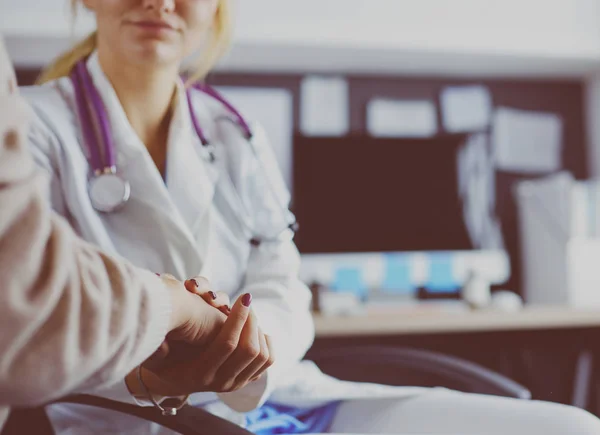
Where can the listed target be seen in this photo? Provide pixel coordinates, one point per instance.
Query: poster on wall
(324, 106)
(273, 109)
(466, 108)
(401, 118)
(527, 142)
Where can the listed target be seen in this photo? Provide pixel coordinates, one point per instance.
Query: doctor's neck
(146, 94)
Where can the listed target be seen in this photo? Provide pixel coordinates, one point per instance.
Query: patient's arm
(70, 316)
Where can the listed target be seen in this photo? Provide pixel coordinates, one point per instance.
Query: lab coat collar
(125, 138)
(190, 176)
(190, 179)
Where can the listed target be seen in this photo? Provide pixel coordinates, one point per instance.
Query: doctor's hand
(220, 300)
(201, 287)
(192, 321)
(233, 359)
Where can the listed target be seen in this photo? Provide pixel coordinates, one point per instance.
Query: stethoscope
(109, 191)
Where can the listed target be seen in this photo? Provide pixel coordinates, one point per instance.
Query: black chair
(393, 366)
(413, 367)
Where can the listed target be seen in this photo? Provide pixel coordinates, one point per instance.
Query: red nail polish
(212, 295)
(195, 282)
(247, 299)
(157, 274)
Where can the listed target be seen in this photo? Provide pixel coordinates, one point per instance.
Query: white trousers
(444, 412)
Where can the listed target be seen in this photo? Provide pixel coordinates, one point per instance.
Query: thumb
(227, 341)
(232, 329)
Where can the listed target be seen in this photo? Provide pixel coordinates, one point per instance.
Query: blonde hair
(218, 42)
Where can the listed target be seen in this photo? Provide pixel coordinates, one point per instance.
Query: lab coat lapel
(148, 189)
(191, 177)
(133, 159)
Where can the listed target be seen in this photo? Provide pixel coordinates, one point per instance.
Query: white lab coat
(189, 226)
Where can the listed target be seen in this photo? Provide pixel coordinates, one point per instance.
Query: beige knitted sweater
(71, 317)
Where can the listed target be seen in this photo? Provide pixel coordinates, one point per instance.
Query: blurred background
(438, 152)
(449, 105)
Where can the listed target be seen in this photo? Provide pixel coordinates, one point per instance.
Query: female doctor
(145, 165)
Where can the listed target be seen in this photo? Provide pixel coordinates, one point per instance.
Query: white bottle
(476, 292)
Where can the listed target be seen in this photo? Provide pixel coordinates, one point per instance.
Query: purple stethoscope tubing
(85, 92)
(99, 140)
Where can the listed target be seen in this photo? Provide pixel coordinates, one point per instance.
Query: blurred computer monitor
(365, 194)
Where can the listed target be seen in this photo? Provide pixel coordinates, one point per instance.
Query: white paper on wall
(527, 142)
(466, 108)
(273, 109)
(324, 106)
(477, 188)
(401, 118)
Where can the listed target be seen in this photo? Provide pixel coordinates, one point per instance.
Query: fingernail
(212, 295)
(157, 274)
(196, 283)
(247, 299)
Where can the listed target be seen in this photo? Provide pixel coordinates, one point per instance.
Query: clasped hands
(211, 346)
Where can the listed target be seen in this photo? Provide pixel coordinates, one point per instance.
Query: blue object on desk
(349, 279)
(273, 419)
(441, 274)
(397, 275)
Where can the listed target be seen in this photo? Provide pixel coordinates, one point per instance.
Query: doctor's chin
(223, 217)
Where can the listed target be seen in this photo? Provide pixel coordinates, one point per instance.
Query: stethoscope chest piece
(108, 192)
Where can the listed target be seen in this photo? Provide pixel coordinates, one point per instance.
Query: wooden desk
(437, 321)
(488, 337)
(432, 321)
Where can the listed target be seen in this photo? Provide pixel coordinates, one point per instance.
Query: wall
(440, 37)
(435, 38)
(569, 28)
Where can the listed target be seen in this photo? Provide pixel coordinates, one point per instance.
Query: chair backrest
(414, 367)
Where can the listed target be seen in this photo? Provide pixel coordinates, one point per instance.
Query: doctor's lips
(153, 25)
